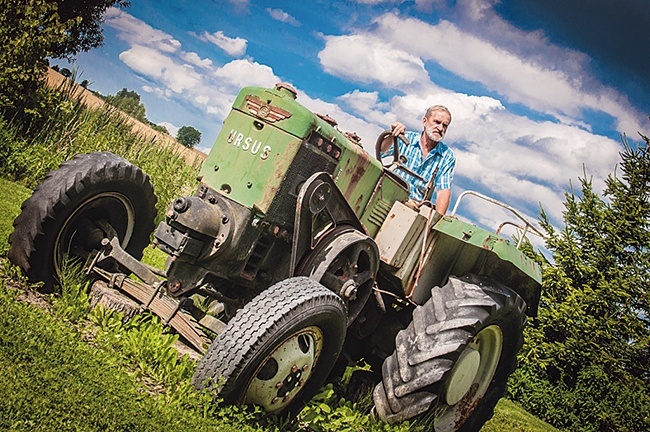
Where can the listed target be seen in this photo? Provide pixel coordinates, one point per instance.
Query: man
(426, 155)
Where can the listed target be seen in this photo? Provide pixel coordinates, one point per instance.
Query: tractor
(300, 254)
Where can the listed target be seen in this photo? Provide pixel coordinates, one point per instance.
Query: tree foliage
(83, 20)
(188, 136)
(128, 101)
(33, 31)
(27, 30)
(585, 366)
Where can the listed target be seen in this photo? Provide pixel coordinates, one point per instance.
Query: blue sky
(538, 89)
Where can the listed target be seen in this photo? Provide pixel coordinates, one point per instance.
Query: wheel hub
(284, 371)
(463, 375)
(470, 378)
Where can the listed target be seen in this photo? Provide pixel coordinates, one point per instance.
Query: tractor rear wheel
(277, 351)
(451, 363)
(91, 197)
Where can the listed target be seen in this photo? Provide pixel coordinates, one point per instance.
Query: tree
(32, 31)
(83, 20)
(27, 30)
(585, 366)
(188, 136)
(128, 101)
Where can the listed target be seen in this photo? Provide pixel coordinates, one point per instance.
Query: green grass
(12, 196)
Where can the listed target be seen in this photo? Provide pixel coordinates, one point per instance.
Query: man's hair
(435, 108)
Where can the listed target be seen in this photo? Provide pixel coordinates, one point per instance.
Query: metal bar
(167, 308)
(498, 203)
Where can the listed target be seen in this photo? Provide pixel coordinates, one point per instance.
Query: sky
(540, 90)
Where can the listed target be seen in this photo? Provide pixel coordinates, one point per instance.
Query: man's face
(435, 126)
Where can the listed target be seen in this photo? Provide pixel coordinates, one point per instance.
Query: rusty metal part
(318, 193)
(169, 310)
(329, 120)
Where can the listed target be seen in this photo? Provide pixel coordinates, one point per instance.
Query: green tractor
(298, 255)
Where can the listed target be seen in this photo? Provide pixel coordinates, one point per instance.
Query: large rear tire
(88, 198)
(451, 363)
(279, 349)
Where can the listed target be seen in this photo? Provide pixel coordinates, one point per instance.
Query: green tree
(83, 20)
(585, 365)
(27, 30)
(188, 136)
(128, 101)
(33, 31)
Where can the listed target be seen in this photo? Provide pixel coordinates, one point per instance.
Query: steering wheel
(398, 163)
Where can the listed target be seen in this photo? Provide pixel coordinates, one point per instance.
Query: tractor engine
(240, 224)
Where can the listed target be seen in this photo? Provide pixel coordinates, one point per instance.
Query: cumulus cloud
(134, 30)
(232, 46)
(172, 73)
(282, 16)
(195, 60)
(366, 59)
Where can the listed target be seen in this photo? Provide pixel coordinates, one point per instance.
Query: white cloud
(161, 68)
(232, 46)
(282, 16)
(366, 59)
(532, 72)
(241, 73)
(193, 58)
(171, 128)
(136, 31)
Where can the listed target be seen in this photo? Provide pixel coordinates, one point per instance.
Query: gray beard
(431, 135)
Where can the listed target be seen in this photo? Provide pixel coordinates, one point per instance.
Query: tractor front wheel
(89, 198)
(278, 350)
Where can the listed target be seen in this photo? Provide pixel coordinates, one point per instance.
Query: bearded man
(427, 156)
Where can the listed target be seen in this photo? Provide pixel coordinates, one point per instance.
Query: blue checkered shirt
(441, 158)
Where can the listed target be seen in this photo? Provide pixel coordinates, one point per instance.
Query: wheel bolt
(275, 400)
(305, 368)
(279, 384)
(294, 369)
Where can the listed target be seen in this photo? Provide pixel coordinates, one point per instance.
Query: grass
(11, 197)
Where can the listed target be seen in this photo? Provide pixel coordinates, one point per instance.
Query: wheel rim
(91, 221)
(285, 371)
(470, 378)
(347, 266)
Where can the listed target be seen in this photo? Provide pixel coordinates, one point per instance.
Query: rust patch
(355, 173)
(466, 406)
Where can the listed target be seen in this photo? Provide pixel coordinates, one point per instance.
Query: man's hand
(397, 128)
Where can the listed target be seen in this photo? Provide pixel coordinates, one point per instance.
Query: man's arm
(443, 196)
(397, 128)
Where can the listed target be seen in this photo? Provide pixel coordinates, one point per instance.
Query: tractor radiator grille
(379, 212)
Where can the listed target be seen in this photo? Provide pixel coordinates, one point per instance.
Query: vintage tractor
(299, 254)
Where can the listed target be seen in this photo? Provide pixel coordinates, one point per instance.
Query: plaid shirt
(441, 158)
